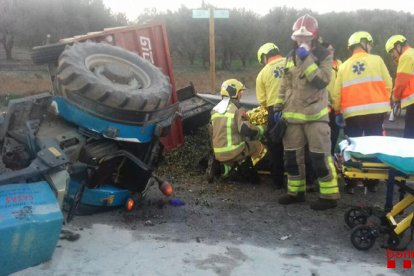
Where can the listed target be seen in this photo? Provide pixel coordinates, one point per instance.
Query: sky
(132, 8)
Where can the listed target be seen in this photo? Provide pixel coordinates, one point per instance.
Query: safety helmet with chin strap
(231, 88)
(305, 26)
(264, 50)
(358, 37)
(394, 41)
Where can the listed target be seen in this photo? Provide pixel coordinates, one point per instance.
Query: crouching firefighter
(234, 140)
(305, 108)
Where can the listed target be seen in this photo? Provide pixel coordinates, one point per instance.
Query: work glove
(277, 107)
(339, 120)
(303, 51)
(277, 116)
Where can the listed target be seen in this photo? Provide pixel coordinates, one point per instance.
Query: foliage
(26, 22)
(240, 36)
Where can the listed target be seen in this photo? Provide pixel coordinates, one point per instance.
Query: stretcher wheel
(393, 241)
(356, 216)
(363, 237)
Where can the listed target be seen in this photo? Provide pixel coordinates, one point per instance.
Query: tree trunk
(225, 61)
(8, 42)
(243, 60)
(205, 62)
(191, 57)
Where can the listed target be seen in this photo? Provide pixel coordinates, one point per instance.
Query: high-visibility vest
(303, 90)
(268, 81)
(363, 86)
(404, 81)
(227, 140)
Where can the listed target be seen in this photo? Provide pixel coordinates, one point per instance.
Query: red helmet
(305, 26)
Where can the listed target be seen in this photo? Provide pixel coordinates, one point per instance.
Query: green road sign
(201, 14)
(206, 13)
(221, 13)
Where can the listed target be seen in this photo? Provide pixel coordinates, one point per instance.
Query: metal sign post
(211, 14)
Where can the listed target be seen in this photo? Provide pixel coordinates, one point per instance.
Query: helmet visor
(302, 39)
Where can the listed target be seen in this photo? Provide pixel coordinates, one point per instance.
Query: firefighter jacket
(363, 86)
(268, 81)
(404, 81)
(229, 132)
(303, 89)
(331, 85)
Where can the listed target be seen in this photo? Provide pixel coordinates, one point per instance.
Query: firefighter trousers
(317, 136)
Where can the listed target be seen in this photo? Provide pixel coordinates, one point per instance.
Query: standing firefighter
(305, 108)
(267, 89)
(362, 93)
(234, 139)
(403, 94)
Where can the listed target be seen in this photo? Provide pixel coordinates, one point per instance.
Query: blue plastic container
(30, 224)
(106, 195)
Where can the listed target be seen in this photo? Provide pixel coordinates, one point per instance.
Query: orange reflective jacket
(362, 86)
(404, 81)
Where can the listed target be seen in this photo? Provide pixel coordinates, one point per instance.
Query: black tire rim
(355, 216)
(117, 71)
(362, 237)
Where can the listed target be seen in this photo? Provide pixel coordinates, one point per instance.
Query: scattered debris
(286, 237)
(69, 235)
(176, 202)
(148, 223)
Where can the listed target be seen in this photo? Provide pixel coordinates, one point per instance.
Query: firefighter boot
(290, 199)
(213, 169)
(323, 204)
(249, 172)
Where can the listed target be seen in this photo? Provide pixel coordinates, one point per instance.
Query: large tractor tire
(47, 54)
(111, 82)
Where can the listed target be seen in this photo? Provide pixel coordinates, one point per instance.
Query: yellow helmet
(394, 40)
(231, 88)
(265, 49)
(356, 38)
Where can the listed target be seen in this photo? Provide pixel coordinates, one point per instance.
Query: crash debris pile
(190, 158)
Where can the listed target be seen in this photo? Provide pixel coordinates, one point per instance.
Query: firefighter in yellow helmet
(235, 140)
(305, 108)
(268, 83)
(403, 93)
(362, 93)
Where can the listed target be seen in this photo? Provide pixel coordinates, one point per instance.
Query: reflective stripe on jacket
(303, 89)
(404, 81)
(363, 85)
(268, 81)
(229, 131)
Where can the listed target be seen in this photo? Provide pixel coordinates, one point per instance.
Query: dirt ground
(224, 228)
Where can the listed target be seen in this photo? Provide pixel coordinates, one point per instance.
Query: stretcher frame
(368, 170)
